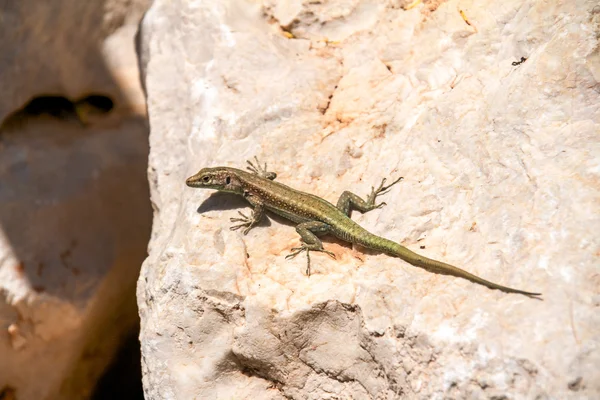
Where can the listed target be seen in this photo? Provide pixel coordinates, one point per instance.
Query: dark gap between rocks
(123, 377)
(62, 108)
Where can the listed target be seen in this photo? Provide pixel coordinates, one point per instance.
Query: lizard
(316, 217)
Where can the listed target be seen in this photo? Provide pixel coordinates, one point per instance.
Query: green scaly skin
(315, 216)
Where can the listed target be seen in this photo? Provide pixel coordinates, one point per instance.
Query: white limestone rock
(501, 169)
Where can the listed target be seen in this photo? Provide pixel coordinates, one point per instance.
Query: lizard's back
(298, 206)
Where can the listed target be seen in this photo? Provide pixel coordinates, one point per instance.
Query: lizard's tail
(397, 250)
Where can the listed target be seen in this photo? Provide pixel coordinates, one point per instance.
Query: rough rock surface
(500, 160)
(74, 210)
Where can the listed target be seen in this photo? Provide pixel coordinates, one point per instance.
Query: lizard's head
(220, 178)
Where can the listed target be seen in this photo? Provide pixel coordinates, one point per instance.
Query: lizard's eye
(228, 180)
(206, 178)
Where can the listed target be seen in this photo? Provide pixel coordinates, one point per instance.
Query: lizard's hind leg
(308, 232)
(349, 201)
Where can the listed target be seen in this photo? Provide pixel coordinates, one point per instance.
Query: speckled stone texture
(501, 167)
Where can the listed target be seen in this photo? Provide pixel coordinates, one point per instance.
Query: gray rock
(74, 210)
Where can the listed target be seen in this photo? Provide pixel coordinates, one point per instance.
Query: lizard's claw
(304, 247)
(295, 252)
(384, 189)
(330, 253)
(244, 217)
(260, 170)
(246, 222)
(254, 168)
(381, 190)
(308, 249)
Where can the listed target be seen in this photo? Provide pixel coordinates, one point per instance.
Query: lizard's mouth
(194, 181)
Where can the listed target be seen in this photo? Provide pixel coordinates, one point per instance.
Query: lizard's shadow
(219, 201)
(222, 201)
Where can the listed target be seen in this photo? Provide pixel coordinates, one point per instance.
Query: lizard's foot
(260, 170)
(246, 222)
(381, 190)
(308, 248)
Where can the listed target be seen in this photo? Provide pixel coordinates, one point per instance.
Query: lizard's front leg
(260, 170)
(251, 221)
(308, 232)
(349, 201)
